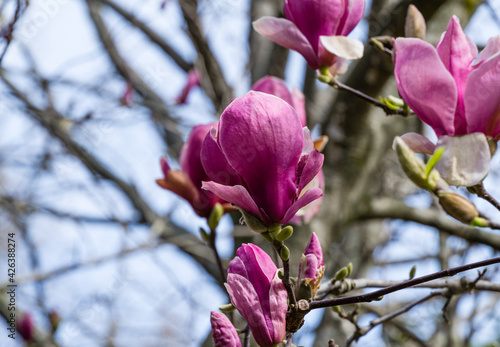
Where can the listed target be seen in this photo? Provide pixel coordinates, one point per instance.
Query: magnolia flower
(258, 294)
(193, 80)
(25, 327)
(312, 267)
(276, 86)
(317, 29)
(187, 183)
(456, 92)
(223, 332)
(260, 160)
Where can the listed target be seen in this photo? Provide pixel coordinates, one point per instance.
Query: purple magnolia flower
(276, 86)
(312, 267)
(193, 80)
(260, 160)
(187, 183)
(317, 29)
(223, 332)
(258, 294)
(457, 93)
(26, 327)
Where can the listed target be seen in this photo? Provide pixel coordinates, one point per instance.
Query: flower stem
(340, 86)
(482, 193)
(286, 275)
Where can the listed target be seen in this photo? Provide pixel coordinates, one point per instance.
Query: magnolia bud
(204, 235)
(285, 233)
(413, 271)
(215, 216)
(284, 253)
(415, 23)
(458, 207)
(341, 274)
(411, 164)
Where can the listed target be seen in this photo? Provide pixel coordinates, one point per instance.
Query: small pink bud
(223, 332)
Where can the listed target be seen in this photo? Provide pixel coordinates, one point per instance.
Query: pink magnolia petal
(215, 164)
(425, 84)
(245, 299)
(261, 137)
(313, 164)
(311, 266)
(299, 104)
(286, 34)
(237, 195)
(466, 160)
(223, 332)
(189, 157)
(491, 49)
(419, 143)
(482, 98)
(278, 307)
(315, 18)
(352, 16)
(274, 86)
(305, 199)
(457, 53)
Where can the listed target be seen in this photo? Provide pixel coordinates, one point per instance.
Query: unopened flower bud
(412, 165)
(341, 274)
(284, 253)
(215, 216)
(458, 207)
(349, 269)
(492, 144)
(413, 271)
(415, 23)
(285, 233)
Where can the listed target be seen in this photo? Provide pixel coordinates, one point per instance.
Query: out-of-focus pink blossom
(258, 294)
(193, 80)
(128, 95)
(187, 182)
(25, 327)
(276, 86)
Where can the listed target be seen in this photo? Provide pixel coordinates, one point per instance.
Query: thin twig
(402, 285)
(340, 86)
(289, 339)
(483, 194)
(246, 339)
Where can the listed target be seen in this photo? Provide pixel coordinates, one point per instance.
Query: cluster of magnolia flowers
(260, 157)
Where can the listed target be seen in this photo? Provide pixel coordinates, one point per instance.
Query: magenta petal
(165, 168)
(286, 34)
(216, 165)
(237, 195)
(315, 18)
(312, 265)
(308, 197)
(245, 299)
(299, 104)
(352, 16)
(274, 86)
(314, 247)
(491, 49)
(425, 84)
(482, 98)
(457, 53)
(419, 143)
(466, 160)
(278, 307)
(223, 332)
(259, 268)
(313, 164)
(190, 154)
(262, 139)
